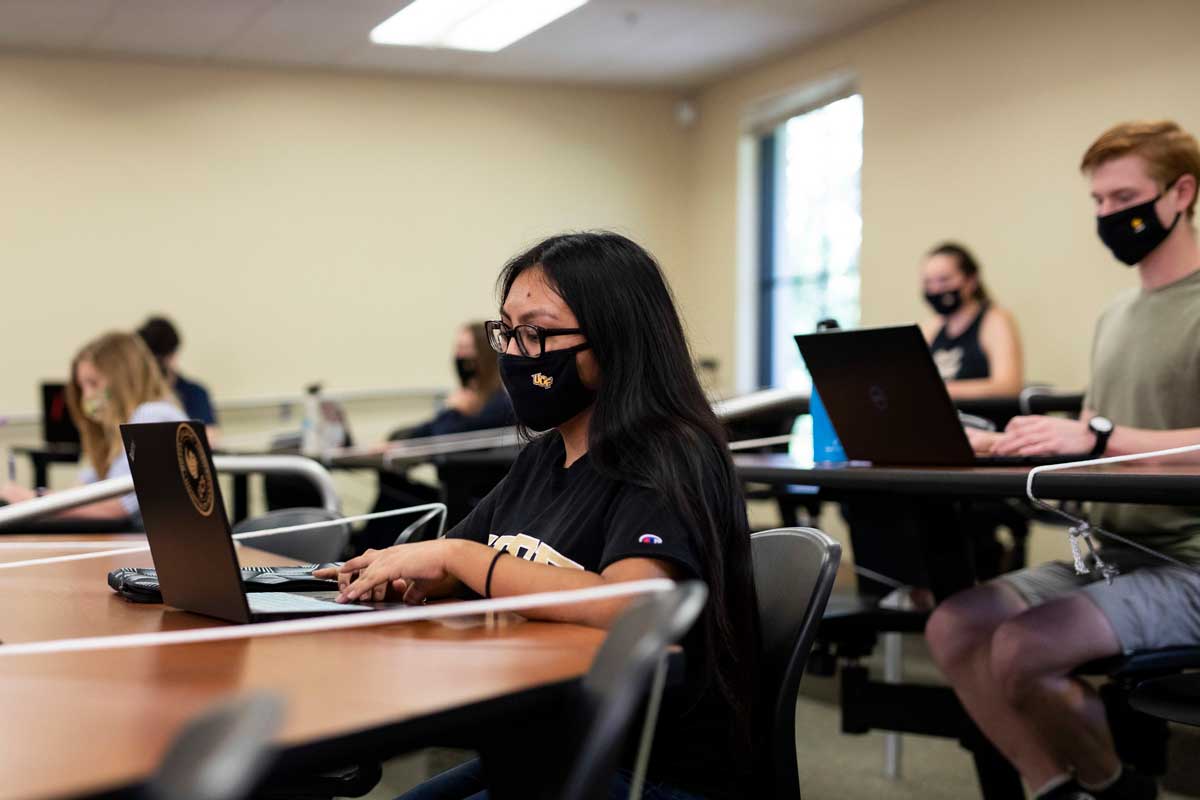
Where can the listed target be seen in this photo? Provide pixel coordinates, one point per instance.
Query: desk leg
(950, 558)
(41, 470)
(947, 551)
(241, 497)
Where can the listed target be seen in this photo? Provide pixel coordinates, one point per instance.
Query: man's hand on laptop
(982, 442)
(1044, 436)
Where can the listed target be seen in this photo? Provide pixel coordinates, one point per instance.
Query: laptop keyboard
(287, 603)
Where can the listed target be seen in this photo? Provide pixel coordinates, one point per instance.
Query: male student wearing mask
(1009, 646)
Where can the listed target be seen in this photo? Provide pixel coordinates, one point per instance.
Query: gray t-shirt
(157, 411)
(1146, 374)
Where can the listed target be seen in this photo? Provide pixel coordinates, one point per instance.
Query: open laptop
(189, 534)
(889, 404)
(57, 425)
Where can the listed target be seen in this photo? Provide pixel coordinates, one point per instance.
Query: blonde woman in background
(114, 380)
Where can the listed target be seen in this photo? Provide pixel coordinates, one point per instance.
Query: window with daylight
(810, 232)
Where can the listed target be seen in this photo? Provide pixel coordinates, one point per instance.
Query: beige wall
(299, 224)
(302, 224)
(976, 115)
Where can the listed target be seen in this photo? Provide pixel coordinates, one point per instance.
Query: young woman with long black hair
(634, 481)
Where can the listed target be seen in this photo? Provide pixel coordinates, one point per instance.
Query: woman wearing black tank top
(974, 342)
(978, 352)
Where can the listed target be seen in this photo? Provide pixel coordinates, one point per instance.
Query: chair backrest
(288, 491)
(222, 754)
(794, 570)
(312, 546)
(617, 683)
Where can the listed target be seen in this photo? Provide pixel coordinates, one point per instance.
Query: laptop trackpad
(288, 603)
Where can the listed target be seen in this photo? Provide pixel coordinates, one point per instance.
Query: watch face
(1101, 424)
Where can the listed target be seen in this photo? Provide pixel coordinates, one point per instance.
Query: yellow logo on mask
(542, 381)
(1137, 224)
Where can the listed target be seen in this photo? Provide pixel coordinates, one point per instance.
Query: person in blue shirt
(163, 339)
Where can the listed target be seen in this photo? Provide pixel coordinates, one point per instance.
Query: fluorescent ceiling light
(484, 25)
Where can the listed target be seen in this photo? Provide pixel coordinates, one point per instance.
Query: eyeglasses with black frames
(531, 339)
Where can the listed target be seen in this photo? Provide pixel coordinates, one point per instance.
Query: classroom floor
(833, 765)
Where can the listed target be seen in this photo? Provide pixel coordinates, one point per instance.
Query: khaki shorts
(1150, 604)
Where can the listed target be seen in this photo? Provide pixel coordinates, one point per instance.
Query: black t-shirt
(576, 518)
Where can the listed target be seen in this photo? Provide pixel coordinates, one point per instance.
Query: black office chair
(295, 491)
(222, 754)
(1173, 697)
(794, 570)
(315, 546)
(618, 682)
(1140, 738)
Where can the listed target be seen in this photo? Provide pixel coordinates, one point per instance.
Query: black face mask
(1133, 233)
(466, 369)
(945, 303)
(546, 391)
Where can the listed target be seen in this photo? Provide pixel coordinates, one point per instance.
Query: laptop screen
(57, 425)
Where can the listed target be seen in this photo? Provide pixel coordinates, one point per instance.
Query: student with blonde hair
(114, 380)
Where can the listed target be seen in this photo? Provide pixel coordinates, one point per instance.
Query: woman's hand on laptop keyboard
(411, 571)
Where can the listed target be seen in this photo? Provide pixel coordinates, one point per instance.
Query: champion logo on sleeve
(649, 538)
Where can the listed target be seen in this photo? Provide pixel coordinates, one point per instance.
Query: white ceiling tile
(50, 23)
(664, 43)
(316, 31)
(187, 28)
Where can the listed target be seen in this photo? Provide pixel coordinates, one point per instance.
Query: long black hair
(967, 265)
(652, 426)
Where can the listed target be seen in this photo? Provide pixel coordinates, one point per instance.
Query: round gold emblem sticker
(193, 469)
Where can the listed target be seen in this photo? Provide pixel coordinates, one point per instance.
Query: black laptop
(189, 534)
(57, 426)
(888, 403)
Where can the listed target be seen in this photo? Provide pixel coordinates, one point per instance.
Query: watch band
(1102, 438)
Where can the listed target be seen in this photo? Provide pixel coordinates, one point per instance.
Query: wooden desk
(85, 722)
(43, 455)
(1118, 483)
(400, 455)
(42, 545)
(931, 495)
(784, 404)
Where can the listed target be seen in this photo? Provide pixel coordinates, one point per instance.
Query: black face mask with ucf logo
(1133, 233)
(545, 391)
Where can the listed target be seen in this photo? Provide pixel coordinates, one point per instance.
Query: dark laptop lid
(181, 505)
(885, 397)
(57, 425)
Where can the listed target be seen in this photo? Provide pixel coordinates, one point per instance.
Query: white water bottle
(310, 425)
